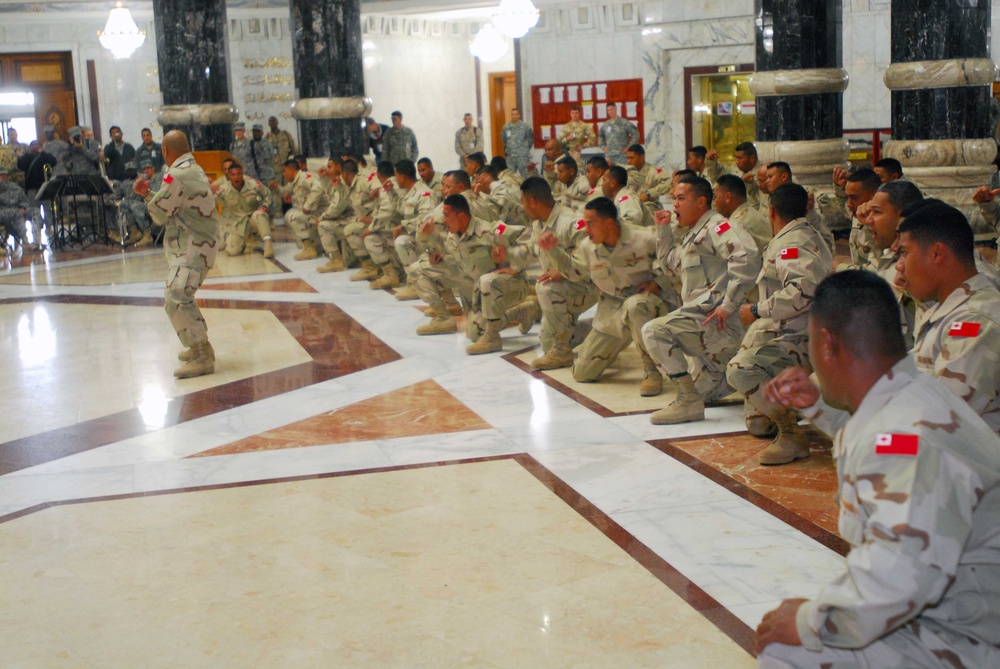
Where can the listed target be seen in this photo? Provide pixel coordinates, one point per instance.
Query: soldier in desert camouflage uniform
(306, 205)
(186, 209)
(244, 203)
(795, 261)
(416, 203)
(919, 492)
(576, 135)
(717, 263)
(575, 185)
(343, 179)
(378, 237)
(623, 261)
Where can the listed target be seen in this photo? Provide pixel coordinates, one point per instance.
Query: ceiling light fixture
(121, 36)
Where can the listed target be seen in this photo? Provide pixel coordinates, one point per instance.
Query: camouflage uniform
(647, 178)
(153, 153)
(336, 217)
(12, 220)
(921, 584)
(283, 145)
(717, 262)
(795, 261)
(83, 159)
(753, 192)
(574, 196)
(59, 150)
(241, 214)
(630, 209)
(415, 206)
(132, 204)
(498, 292)
(583, 136)
(561, 301)
(261, 165)
(434, 185)
(885, 266)
(506, 201)
(861, 243)
(305, 207)
(467, 142)
(622, 310)
(753, 222)
(616, 136)
(399, 144)
(518, 140)
(387, 215)
(363, 206)
(186, 208)
(241, 152)
(958, 341)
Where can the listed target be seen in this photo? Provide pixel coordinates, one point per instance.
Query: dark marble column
(326, 43)
(799, 84)
(797, 35)
(941, 74)
(192, 58)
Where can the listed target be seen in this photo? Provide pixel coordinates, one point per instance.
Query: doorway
(48, 78)
(721, 112)
(503, 98)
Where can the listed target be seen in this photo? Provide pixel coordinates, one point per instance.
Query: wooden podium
(211, 162)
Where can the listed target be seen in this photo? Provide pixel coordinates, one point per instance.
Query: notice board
(550, 105)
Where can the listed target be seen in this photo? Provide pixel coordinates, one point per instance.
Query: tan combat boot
(268, 248)
(454, 308)
(389, 279)
(652, 380)
(559, 356)
(792, 442)
(334, 264)
(758, 424)
(368, 271)
(202, 362)
(489, 341)
(147, 239)
(688, 406)
(407, 292)
(442, 323)
(308, 251)
(526, 314)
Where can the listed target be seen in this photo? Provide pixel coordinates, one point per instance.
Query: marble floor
(343, 492)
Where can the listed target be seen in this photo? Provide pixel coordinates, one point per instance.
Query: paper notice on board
(588, 112)
(602, 91)
(602, 110)
(588, 92)
(572, 92)
(558, 93)
(543, 93)
(546, 132)
(556, 130)
(631, 109)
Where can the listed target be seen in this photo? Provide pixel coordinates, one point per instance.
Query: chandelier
(121, 36)
(488, 45)
(514, 18)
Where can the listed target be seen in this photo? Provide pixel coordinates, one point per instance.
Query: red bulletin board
(550, 104)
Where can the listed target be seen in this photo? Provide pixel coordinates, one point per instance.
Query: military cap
(240, 126)
(144, 164)
(257, 126)
(130, 164)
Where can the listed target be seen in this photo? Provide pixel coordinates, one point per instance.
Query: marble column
(940, 77)
(329, 77)
(192, 58)
(799, 85)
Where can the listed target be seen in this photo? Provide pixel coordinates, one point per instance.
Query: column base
(812, 162)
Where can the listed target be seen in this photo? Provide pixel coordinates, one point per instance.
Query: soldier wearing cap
(133, 207)
(13, 210)
(284, 148)
(186, 209)
(240, 148)
(58, 149)
(84, 153)
(262, 157)
(518, 140)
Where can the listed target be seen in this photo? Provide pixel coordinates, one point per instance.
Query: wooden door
(50, 77)
(503, 97)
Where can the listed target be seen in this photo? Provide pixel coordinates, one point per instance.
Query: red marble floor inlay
(337, 343)
(801, 493)
(265, 286)
(421, 409)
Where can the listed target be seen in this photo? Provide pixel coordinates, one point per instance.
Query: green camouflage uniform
(616, 136)
(399, 144)
(518, 140)
(795, 262)
(717, 262)
(622, 310)
(241, 214)
(12, 220)
(185, 207)
(919, 493)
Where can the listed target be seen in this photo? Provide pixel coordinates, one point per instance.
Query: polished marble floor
(343, 492)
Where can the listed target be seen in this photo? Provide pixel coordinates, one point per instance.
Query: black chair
(66, 193)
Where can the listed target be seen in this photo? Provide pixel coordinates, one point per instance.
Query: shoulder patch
(591, 191)
(659, 170)
(308, 175)
(623, 198)
(168, 179)
(371, 176)
(426, 194)
(964, 329)
(580, 225)
(502, 228)
(789, 253)
(722, 227)
(897, 444)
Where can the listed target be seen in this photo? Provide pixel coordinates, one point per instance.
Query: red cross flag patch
(790, 253)
(308, 176)
(580, 225)
(168, 179)
(590, 192)
(371, 176)
(659, 170)
(502, 228)
(896, 444)
(722, 227)
(623, 198)
(964, 329)
(426, 194)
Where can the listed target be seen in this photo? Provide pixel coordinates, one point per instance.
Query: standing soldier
(184, 206)
(576, 135)
(262, 158)
(616, 135)
(518, 139)
(149, 150)
(245, 209)
(240, 148)
(284, 147)
(468, 140)
(399, 142)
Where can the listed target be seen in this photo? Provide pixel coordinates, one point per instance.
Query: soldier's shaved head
(175, 144)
